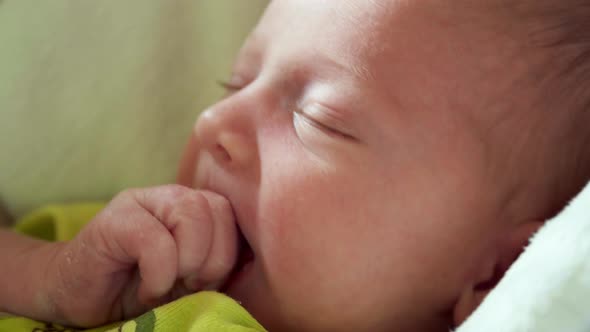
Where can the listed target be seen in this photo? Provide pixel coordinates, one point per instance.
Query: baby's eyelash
(229, 87)
(320, 126)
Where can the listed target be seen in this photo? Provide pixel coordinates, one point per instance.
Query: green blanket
(204, 311)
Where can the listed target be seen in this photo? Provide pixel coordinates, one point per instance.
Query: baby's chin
(246, 287)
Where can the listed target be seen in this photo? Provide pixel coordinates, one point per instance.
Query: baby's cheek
(288, 230)
(302, 250)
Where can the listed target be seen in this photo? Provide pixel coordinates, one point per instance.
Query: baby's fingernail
(192, 283)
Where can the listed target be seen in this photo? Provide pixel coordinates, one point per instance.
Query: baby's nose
(227, 135)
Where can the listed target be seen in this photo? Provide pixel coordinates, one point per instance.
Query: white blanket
(548, 288)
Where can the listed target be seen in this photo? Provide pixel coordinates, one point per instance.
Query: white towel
(548, 287)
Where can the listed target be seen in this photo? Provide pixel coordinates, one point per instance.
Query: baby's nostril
(222, 153)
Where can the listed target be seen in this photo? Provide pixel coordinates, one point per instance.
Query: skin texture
(378, 178)
(147, 247)
(350, 174)
(371, 155)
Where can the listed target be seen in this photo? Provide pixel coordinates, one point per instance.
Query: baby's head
(388, 160)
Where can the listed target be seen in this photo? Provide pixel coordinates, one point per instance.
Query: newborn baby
(376, 166)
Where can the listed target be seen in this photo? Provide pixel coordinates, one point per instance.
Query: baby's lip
(206, 181)
(239, 217)
(243, 231)
(243, 225)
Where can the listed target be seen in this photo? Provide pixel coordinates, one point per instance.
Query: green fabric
(58, 223)
(200, 312)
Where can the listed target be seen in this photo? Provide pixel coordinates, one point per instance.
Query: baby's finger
(187, 214)
(203, 226)
(223, 253)
(141, 239)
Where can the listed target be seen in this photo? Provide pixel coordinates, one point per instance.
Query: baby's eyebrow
(357, 69)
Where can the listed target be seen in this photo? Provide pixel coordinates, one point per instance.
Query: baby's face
(354, 164)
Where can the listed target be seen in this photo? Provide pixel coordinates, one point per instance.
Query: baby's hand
(147, 247)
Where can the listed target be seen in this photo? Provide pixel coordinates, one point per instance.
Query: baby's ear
(492, 269)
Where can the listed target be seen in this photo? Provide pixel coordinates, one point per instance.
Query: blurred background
(98, 96)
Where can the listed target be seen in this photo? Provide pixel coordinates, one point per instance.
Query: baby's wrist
(48, 282)
(26, 285)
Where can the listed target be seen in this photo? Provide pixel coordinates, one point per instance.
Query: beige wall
(97, 96)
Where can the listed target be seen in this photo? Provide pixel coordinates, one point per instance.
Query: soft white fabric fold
(548, 288)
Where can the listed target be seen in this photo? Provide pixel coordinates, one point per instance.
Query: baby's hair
(562, 27)
(561, 30)
(550, 45)
(568, 32)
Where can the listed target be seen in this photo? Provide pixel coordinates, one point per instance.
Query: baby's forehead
(347, 34)
(396, 47)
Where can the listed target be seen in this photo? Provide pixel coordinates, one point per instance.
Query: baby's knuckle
(126, 197)
(220, 206)
(221, 202)
(214, 197)
(220, 266)
(185, 199)
(175, 191)
(195, 199)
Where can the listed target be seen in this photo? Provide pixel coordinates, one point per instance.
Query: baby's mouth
(245, 259)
